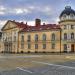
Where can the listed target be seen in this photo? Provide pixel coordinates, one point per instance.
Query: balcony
(68, 40)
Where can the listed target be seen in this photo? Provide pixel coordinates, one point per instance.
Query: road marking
(24, 70)
(59, 66)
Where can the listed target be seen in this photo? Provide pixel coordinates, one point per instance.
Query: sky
(28, 10)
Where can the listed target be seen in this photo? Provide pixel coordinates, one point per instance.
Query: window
(22, 45)
(65, 47)
(65, 36)
(64, 16)
(53, 46)
(44, 37)
(72, 35)
(36, 37)
(29, 38)
(29, 45)
(14, 38)
(44, 46)
(22, 42)
(53, 36)
(72, 26)
(22, 38)
(65, 27)
(36, 46)
(71, 16)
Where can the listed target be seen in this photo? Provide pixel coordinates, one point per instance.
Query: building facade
(18, 37)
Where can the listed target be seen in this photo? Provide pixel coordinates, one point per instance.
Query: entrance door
(72, 48)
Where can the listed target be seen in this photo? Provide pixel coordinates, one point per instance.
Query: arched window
(36, 37)
(72, 35)
(44, 37)
(65, 36)
(53, 36)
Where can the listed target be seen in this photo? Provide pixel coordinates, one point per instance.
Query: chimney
(13, 20)
(37, 22)
(22, 23)
(43, 23)
(26, 23)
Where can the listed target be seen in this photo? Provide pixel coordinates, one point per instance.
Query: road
(37, 64)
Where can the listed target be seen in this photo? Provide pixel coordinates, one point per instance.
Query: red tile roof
(41, 27)
(20, 24)
(26, 28)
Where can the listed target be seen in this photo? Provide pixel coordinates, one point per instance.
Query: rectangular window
(65, 47)
(22, 38)
(29, 38)
(14, 38)
(22, 45)
(65, 27)
(29, 45)
(36, 46)
(22, 41)
(53, 46)
(44, 46)
(72, 26)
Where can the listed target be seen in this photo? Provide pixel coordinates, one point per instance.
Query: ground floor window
(65, 47)
(53, 45)
(44, 46)
(22, 45)
(36, 46)
(29, 45)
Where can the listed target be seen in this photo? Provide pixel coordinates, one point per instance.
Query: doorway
(72, 47)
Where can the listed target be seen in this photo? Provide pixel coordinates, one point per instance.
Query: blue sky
(28, 10)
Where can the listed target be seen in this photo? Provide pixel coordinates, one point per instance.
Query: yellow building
(21, 38)
(67, 24)
(9, 41)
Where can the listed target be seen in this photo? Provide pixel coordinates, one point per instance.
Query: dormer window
(64, 16)
(71, 16)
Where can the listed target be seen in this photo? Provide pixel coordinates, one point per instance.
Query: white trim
(24, 70)
(59, 66)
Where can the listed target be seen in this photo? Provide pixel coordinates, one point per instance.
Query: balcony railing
(68, 40)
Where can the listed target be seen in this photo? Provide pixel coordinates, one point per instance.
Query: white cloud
(2, 10)
(2, 22)
(47, 10)
(32, 7)
(2, 13)
(32, 23)
(2, 7)
(18, 11)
